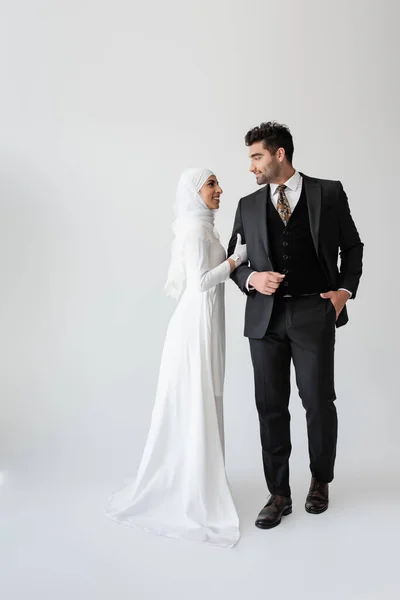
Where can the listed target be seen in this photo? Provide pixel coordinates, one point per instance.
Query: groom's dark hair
(274, 136)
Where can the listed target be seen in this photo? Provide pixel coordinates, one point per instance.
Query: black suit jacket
(332, 229)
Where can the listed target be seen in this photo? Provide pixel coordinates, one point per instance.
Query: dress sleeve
(197, 256)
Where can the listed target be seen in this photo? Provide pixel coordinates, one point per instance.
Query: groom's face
(265, 166)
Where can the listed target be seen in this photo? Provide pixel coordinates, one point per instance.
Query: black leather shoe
(272, 513)
(317, 500)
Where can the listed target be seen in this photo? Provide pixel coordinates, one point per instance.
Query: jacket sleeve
(351, 247)
(242, 273)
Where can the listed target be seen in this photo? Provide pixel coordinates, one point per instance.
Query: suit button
(285, 257)
(285, 271)
(285, 244)
(285, 283)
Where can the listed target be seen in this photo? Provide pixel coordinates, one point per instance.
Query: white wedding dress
(181, 489)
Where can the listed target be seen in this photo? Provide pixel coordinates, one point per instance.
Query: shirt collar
(292, 184)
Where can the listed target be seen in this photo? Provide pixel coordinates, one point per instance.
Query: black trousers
(302, 329)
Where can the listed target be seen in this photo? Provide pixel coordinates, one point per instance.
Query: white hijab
(189, 210)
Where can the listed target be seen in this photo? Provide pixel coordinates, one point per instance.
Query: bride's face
(211, 192)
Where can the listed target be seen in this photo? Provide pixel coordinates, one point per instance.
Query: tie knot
(281, 187)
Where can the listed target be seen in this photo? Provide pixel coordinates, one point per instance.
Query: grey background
(102, 105)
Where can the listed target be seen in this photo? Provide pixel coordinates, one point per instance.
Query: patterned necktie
(283, 206)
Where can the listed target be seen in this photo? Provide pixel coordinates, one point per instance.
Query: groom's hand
(266, 282)
(338, 299)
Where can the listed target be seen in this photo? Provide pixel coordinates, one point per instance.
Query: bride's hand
(241, 249)
(239, 255)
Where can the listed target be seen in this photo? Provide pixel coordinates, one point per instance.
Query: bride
(181, 489)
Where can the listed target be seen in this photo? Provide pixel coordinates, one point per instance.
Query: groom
(294, 227)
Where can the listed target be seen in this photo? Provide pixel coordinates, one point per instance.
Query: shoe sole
(314, 511)
(271, 525)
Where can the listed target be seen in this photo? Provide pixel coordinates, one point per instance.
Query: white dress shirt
(294, 186)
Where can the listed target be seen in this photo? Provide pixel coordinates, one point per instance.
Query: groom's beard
(272, 174)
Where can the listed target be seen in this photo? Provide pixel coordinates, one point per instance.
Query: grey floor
(56, 544)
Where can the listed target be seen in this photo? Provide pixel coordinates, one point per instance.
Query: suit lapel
(314, 199)
(262, 216)
(313, 195)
